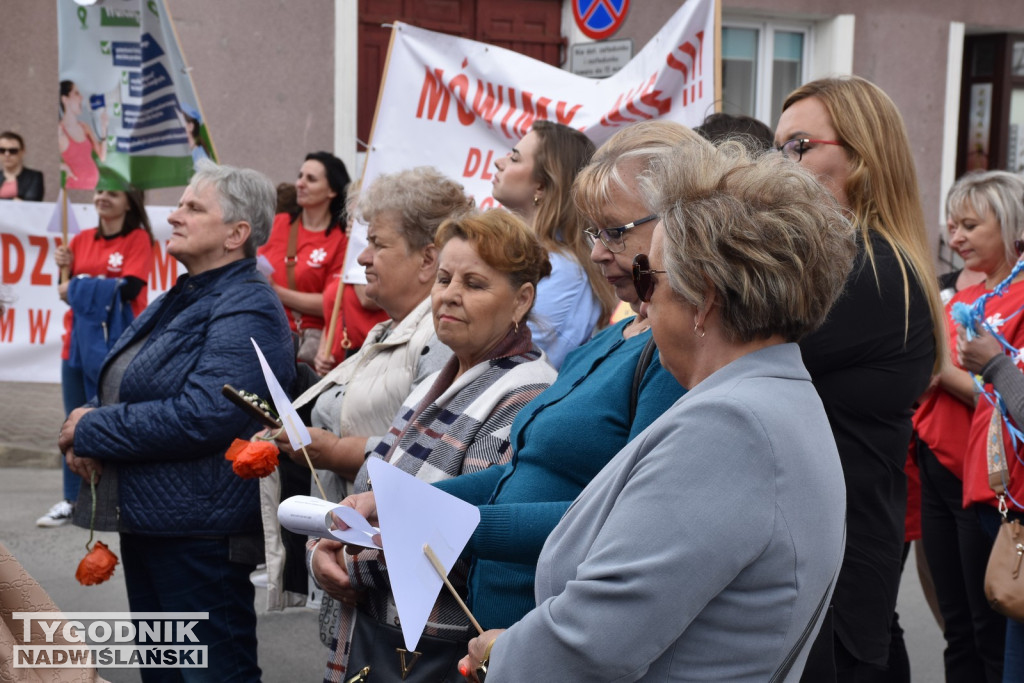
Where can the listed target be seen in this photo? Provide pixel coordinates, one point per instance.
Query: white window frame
(766, 29)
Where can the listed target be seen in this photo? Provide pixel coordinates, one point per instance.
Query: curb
(12, 455)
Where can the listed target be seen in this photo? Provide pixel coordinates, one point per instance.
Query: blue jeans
(72, 385)
(1013, 655)
(195, 575)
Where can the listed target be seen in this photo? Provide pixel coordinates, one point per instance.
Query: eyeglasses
(642, 279)
(611, 238)
(10, 150)
(794, 149)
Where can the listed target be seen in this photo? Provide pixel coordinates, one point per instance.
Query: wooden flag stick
(308, 461)
(439, 568)
(65, 271)
(315, 477)
(332, 323)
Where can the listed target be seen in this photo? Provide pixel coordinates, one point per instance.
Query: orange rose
(97, 566)
(251, 459)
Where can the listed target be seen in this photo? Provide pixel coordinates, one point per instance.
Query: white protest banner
(458, 104)
(128, 110)
(31, 327)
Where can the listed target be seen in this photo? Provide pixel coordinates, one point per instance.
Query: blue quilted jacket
(169, 432)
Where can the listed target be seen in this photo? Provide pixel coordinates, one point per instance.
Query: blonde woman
(878, 349)
(535, 181)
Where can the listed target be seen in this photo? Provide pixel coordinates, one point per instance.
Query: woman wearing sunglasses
(607, 392)
(986, 212)
(875, 354)
(706, 549)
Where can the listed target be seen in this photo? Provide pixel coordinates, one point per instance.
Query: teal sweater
(562, 439)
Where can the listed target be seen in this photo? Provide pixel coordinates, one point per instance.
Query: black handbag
(378, 654)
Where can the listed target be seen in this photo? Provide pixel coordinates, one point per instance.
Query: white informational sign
(601, 59)
(458, 104)
(128, 109)
(31, 328)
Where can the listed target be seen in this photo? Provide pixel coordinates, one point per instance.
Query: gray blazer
(701, 551)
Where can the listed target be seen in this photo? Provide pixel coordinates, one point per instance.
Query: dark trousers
(1013, 658)
(957, 550)
(195, 575)
(72, 385)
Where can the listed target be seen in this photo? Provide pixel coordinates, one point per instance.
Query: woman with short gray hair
(190, 528)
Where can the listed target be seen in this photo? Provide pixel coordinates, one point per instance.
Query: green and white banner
(128, 111)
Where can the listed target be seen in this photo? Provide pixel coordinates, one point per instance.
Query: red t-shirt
(120, 256)
(318, 255)
(1004, 313)
(943, 421)
(357, 320)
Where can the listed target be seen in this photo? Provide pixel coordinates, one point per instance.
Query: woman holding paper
(307, 248)
(455, 422)
(535, 181)
(707, 548)
(403, 211)
(190, 528)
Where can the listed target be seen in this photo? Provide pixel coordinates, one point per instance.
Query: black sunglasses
(10, 150)
(1018, 246)
(642, 277)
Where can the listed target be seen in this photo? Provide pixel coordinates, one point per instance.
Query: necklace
(636, 326)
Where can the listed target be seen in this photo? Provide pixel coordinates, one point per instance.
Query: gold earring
(698, 330)
(536, 200)
(516, 323)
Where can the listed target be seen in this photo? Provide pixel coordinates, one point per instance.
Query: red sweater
(1004, 313)
(318, 256)
(121, 256)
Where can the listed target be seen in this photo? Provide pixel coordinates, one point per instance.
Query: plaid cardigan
(446, 427)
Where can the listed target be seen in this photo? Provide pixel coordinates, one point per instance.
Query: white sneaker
(59, 515)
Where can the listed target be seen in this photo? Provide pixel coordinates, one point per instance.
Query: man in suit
(19, 182)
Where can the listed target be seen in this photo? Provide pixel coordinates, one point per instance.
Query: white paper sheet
(311, 516)
(298, 435)
(413, 513)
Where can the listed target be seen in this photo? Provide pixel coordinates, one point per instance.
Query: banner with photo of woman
(127, 108)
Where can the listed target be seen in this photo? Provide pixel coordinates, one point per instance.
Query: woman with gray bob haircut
(707, 548)
(243, 195)
(156, 435)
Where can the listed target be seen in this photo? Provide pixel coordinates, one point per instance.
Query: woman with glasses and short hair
(19, 182)
(986, 213)
(707, 548)
(875, 354)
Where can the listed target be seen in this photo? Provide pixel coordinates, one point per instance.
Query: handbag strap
(638, 374)
(995, 452)
(293, 246)
(289, 264)
(790, 659)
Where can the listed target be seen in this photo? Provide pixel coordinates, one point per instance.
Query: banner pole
(718, 56)
(65, 271)
(199, 102)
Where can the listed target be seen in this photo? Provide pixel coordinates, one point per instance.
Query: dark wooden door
(532, 27)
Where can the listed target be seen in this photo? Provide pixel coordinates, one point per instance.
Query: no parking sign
(599, 19)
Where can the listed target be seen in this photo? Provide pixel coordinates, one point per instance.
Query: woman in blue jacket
(190, 529)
